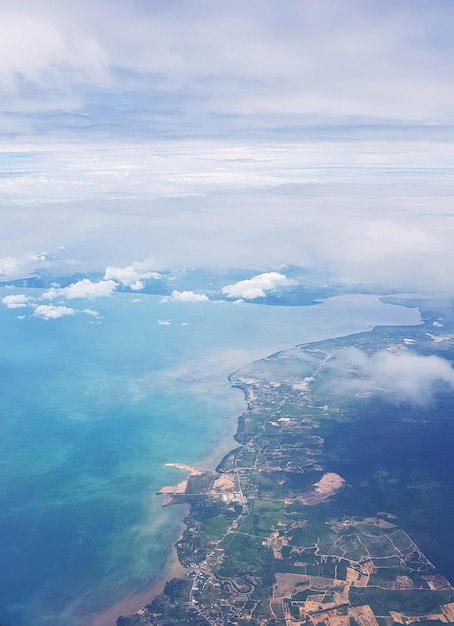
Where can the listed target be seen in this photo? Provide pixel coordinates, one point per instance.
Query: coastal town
(280, 534)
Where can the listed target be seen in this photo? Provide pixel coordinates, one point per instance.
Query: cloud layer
(254, 135)
(401, 377)
(210, 61)
(360, 213)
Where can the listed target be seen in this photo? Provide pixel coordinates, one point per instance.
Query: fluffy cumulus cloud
(185, 296)
(84, 288)
(18, 301)
(257, 286)
(401, 377)
(44, 311)
(52, 312)
(130, 276)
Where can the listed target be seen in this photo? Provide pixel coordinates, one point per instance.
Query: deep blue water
(90, 411)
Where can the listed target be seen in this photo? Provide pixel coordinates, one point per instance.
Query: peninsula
(330, 510)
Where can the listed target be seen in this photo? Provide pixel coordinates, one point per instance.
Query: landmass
(324, 512)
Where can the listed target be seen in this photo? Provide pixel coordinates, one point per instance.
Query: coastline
(173, 568)
(227, 441)
(135, 601)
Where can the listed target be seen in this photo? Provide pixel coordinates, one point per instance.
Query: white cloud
(51, 312)
(164, 322)
(92, 312)
(18, 301)
(137, 285)
(13, 266)
(51, 294)
(9, 265)
(130, 276)
(257, 286)
(403, 376)
(185, 296)
(84, 288)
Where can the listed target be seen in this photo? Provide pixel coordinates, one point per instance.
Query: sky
(242, 134)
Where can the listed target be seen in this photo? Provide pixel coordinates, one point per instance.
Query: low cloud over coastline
(398, 376)
(257, 286)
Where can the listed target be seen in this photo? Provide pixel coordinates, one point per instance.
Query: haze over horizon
(229, 135)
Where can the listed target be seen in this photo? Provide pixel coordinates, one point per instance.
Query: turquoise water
(91, 411)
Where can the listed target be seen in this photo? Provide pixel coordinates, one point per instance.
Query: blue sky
(218, 134)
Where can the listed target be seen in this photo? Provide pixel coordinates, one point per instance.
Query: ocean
(92, 409)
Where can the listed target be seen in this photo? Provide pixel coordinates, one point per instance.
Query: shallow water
(91, 411)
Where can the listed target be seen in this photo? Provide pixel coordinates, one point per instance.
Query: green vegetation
(333, 496)
(215, 527)
(411, 602)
